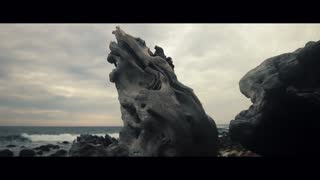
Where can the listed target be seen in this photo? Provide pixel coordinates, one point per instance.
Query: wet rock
(42, 149)
(117, 150)
(47, 148)
(53, 146)
(65, 142)
(27, 153)
(284, 117)
(59, 153)
(6, 153)
(11, 146)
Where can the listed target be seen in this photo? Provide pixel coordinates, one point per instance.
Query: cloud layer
(57, 74)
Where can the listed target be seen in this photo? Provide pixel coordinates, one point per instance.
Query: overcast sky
(57, 74)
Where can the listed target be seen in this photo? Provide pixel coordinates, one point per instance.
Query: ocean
(16, 138)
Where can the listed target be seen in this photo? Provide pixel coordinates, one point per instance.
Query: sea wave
(13, 138)
(48, 137)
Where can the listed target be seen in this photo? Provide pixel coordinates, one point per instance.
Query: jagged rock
(6, 153)
(226, 143)
(59, 153)
(117, 150)
(46, 148)
(27, 153)
(284, 117)
(161, 116)
(89, 145)
(109, 140)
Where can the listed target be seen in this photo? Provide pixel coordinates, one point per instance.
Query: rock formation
(89, 145)
(161, 116)
(284, 116)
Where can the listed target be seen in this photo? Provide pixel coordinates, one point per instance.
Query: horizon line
(56, 126)
(71, 126)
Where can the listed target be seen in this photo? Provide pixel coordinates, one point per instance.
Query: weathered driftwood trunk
(161, 116)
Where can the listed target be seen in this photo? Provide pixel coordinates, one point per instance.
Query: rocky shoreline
(48, 150)
(98, 146)
(163, 117)
(229, 148)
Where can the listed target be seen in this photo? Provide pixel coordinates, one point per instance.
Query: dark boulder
(55, 147)
(65, 142)
(46, 148)
(6, 153)
(42, 148)
(109, 140)
(59, 153)
(284, 117)
(11, 146)
(27, 153)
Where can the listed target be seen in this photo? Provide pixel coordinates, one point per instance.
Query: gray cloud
(57, 74)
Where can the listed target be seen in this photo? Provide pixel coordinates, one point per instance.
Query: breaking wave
(13, 138)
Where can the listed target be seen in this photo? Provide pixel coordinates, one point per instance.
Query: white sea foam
(114, 135)
(59, 137)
